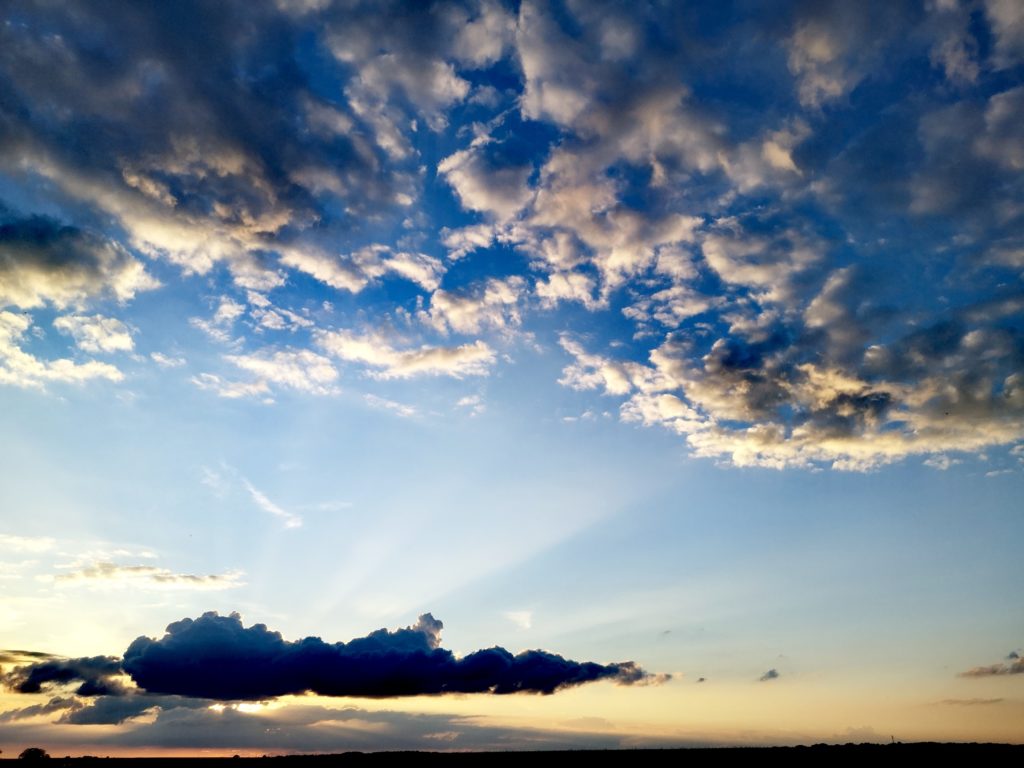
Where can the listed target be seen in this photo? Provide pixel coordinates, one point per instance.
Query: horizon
(490, 375)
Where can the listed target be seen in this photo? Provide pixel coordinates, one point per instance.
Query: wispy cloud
(105, 573)
(290, 520)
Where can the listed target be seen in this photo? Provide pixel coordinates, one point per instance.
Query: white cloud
(375, 350)
(96, 333)
(298, 369)
(381, 403)
(493, 304)
(232, 389)
(465, 240)
(483, 183)
(568, 286)
(473, 403)
(358, 269)
(22, 369)
(220, 326)
(166, 361)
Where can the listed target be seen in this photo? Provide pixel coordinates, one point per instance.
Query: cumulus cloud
(487, 182)
(23, 369)
(190, 660)
(96, 333)
(495, 304)
(771, 250)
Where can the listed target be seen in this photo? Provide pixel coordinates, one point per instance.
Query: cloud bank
(818, 272)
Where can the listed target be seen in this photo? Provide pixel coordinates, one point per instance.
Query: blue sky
(684, 334)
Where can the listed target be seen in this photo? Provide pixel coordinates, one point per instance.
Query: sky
(506, 375)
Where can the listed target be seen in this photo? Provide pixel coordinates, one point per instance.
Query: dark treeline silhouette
(818, 754)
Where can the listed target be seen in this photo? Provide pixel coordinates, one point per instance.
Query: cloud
(1014, 665)
(56, 704)
(375, 350)
(43, 261)
(759, 400)
(260, 499)
(166, 361)
(23, 369)
(771, 674)
(381, 403)
(486, 180)
(232, 389)
(1007, 22)
(217, 657)
(96, 333)
(177, 722)
(494, 304)
(200, 170)
(300, 369)
(104, 573)
(365, 265)
(941, 462)
(970, 702)
(95, 676)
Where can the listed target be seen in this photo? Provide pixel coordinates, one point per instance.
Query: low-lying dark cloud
(95, 676)
(217, 658)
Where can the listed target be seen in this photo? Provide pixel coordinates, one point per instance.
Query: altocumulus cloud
(218, 658)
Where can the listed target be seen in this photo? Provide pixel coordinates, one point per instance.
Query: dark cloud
(198, 127)
(23, 657)
(114, 710)
(217, 657)
(43, 260)
(95, 676)
(56, 704)
(321, 729)
(771, 674)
